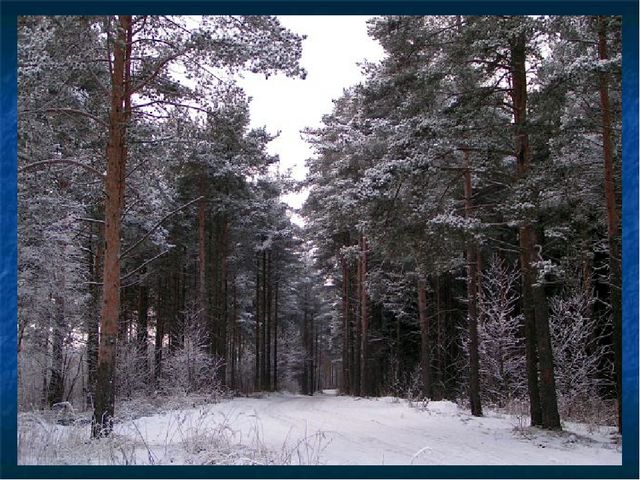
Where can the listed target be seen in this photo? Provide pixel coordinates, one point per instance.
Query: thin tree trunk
(364, 318)
(275, 337)
(612, 216)
(316, 362)
(224, 314)
(425, 346)
(268, 326)
(264, 321)
(234, 334)
(472, 299)
(93, 318)
(438, 381)
(357, 337)
(160, 328)
(258, 377)
(142, 324)
(56, 381)
(345, 380)
(305, 342)
(203, 317)
(102, 423)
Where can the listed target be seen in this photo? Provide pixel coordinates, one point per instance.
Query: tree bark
(275, 337)
(93, 318)
(425, 345)
(142, 324)
(264, 321)
(258, 377)
(203, 317)
(234, 334)
(544, 406)
(612, 216)
(268, 326)
(364, 318)
(102, 422)
(160, 330)
(438, 380)
(472, 299)
(55, 390)
(345, 386)
(357, 335)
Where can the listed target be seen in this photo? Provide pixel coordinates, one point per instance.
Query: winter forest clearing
(439, 284)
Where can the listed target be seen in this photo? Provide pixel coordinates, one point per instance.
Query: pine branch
(54, 161)
(157, 225)
(137, 269)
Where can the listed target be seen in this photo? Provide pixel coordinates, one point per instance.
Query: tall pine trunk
(612, 217)
(542, 393)
(472, 299)
(102, 422)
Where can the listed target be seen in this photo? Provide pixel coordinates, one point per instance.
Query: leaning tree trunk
(544, 404)
(612, 217)
(102, 422)
(472, 299)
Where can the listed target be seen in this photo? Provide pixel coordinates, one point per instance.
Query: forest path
(330, 429)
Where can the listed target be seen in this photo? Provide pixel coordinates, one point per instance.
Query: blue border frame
(8, 232)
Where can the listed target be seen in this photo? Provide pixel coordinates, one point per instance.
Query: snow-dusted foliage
(581, 352)
(190, 368)
(133, 376)
(502, 356)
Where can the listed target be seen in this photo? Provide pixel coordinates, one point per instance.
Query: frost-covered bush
(501, 346)
(190, 368)
(580, 354)
(132, 373)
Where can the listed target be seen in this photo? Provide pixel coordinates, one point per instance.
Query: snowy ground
(323, 429)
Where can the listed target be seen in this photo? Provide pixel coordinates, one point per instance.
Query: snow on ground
(322, 429)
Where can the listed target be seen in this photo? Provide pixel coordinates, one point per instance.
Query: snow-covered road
(330, 429)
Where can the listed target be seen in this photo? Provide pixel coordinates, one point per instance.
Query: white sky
(331, 52)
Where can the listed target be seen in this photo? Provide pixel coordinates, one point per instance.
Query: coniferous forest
(458, 254)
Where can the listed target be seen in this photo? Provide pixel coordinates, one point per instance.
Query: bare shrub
(580, 358)
(190, 368)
